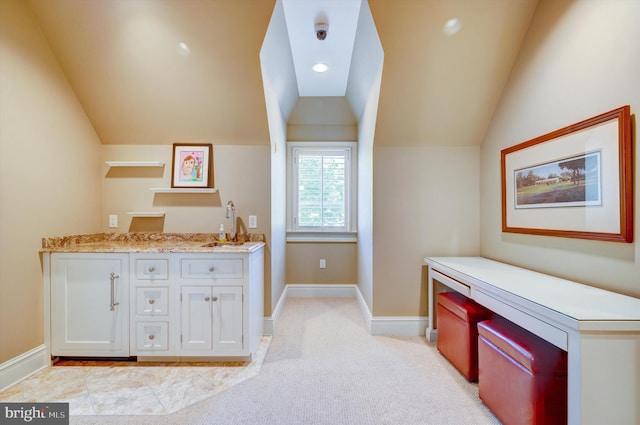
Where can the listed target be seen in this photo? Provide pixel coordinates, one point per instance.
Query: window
(321, 195)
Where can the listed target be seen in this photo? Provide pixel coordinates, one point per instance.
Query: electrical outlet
(253, 222)
(113, 220)
(323, 263)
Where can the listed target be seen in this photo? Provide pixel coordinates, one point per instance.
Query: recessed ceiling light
(320, 67)
(183, 49)
(452, 26)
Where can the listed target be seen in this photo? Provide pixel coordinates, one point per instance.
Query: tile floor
(132, 388)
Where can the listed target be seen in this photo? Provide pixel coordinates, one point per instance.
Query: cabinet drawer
(152, 301)
(152, 269)
(152, 336)
(203, 268)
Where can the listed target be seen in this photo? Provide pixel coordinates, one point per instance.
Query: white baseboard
(399, 325)
(383, 325)
(269, 325)
(364, 309)
(23, 366)
(321, 291)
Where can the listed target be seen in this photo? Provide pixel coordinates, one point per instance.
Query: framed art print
(192, 166)
(575, 182)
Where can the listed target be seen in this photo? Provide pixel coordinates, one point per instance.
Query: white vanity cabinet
(89, 309)
(155, 305)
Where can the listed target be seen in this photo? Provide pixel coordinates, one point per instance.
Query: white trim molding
(320, 291)
(23, 366)
(364, 309)
(269, 325)
(383, 325)
(399, 325)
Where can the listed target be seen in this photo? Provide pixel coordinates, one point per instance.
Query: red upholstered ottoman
(457, 331)
(523, 378)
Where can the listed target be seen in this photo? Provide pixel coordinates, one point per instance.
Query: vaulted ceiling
(161, 71)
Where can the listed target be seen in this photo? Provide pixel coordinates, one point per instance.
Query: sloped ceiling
(441, 89)
(123, 60)
(138, 86)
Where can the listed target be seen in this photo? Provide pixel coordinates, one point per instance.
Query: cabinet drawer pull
(214, 299)
(152, 301)
(152, 337)
(152, 269)
(207, 299)
(211, 269)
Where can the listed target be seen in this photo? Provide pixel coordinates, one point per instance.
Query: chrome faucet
(231, 213)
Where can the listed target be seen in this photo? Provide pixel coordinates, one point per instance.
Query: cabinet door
(89, 305)
(212, 319)
(227, 318)
(196, 318)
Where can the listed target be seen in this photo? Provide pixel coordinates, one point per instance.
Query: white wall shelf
(182, 190)
(135, 163)
(146, 214)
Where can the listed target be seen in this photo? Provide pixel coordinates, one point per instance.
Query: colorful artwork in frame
(568, 182)
(575, 182)
(192, 166)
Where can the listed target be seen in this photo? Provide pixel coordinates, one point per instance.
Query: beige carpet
(322, 367)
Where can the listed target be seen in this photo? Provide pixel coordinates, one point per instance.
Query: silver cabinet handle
(112, 278)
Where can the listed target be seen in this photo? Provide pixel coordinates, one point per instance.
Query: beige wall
(240, 173)
(580, 59)
(425, 204)
(303, 263)
(49, 172)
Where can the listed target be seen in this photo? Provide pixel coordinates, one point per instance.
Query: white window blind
(321, 189)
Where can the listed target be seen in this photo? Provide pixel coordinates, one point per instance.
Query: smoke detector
(321, 29)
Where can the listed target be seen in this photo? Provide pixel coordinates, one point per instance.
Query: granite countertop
(150, 242)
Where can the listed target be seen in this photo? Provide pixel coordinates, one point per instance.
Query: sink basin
(217, 243)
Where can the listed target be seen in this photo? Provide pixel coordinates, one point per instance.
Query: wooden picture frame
(575, 182)
(192, 165)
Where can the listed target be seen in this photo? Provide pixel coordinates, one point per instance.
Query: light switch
(253, 222)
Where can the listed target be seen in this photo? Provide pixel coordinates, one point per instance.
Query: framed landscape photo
(192, 166)
(575, 182)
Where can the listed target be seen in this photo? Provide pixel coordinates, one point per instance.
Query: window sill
(325, 237)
